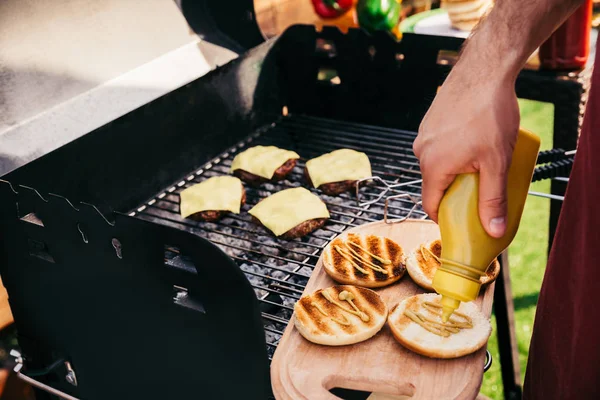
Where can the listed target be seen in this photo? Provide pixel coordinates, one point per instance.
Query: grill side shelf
(94, 290)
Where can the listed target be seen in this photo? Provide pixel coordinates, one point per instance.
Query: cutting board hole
(349, 394)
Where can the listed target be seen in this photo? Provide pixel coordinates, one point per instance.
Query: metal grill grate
(277, 269)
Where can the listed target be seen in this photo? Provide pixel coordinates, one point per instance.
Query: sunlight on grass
(527, 253)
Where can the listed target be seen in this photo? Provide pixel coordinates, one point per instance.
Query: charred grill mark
(309, 315)
(398, 269)
(436, 248)
(394, 251)
(369, 303)
(380, 276)
(376, 246)
(337, 261)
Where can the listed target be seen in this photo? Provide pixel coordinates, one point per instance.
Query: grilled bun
(421, 265)
(341, 270)
(318, 320)
(418, 339)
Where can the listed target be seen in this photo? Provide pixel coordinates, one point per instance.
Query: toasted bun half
(342, 270)
(418, 339)
(421, 265)
(323, 322)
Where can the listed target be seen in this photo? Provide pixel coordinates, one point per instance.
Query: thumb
(493, 199)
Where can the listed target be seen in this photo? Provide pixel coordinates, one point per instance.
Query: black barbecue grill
(104, 274)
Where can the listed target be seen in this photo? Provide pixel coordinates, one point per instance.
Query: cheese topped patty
(287, 209)
(262, 161)
(219, 193)
(337, 166)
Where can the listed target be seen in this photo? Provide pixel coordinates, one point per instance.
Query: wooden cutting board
(303, 370)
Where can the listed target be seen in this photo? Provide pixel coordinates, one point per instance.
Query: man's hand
(473, 122)
(471, 127)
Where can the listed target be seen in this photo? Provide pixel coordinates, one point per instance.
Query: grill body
(102, 271)
(125, 322)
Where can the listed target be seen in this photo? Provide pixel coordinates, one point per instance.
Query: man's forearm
(512, 31)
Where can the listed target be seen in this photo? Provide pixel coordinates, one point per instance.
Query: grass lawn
(527, 253)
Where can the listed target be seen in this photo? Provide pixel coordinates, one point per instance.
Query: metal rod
(45, 387)
(416, 202)
(547, 195)
(33, 382)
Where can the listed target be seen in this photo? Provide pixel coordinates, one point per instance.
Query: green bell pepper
(378, 15)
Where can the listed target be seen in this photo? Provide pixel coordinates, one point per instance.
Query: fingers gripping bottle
(467, 249)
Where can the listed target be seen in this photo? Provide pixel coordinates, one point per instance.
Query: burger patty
(255, 180)
(333, 188)
(215, 215)
(301, 229)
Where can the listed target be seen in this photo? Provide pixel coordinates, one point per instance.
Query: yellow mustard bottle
(467, 249)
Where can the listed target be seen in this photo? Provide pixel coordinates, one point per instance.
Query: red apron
(564, 357)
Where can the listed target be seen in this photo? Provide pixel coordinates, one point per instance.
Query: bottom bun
(420, 340)
(321, 321)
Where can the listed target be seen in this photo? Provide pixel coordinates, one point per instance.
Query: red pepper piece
(331, 8)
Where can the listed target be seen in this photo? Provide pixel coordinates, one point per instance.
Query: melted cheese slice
(287, 209)
(262, 160)
(339, 165)
(219, 193)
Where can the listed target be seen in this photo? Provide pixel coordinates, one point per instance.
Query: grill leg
(505, 328)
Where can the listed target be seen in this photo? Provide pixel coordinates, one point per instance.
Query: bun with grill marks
(424, 260)
(364, 260)
(467, 331)
(340, 315)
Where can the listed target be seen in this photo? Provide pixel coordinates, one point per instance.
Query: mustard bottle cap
(449, 305)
